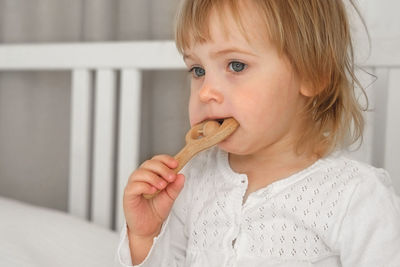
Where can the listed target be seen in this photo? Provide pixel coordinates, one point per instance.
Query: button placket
(242, 187)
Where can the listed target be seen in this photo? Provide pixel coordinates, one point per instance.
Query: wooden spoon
(200, 137)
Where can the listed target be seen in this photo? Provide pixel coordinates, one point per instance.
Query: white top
(337, 212)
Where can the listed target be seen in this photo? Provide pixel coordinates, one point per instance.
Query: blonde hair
(315, 37)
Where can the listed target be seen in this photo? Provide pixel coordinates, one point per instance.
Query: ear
(307, 90)
(310, 89)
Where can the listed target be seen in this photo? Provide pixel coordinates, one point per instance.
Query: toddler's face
(249, 81)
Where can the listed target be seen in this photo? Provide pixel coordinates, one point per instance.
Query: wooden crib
(105, 126)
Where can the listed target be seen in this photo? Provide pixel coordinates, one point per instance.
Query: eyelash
(193, 72)
(193, 69)
(237, 62)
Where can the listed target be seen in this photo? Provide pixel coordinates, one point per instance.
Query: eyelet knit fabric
(337, 212)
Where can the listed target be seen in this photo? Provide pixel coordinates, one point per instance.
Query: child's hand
(144, 217)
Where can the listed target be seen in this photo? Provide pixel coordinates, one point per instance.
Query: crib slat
(79, 169)
(364, 152)
(129, 134)
(392, 149)
(379, 108)
(104, 147)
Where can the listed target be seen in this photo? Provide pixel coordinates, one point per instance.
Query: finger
(168, 160)
(138, 189)
(160, 169)
(165, 199)
(173, 189)
(144, 175)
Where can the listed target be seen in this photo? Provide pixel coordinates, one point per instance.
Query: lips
(220, 120)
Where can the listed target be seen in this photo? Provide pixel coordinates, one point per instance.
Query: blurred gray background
(34, 106)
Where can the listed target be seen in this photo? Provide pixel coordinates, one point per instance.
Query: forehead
(245, 25)
(240, 25)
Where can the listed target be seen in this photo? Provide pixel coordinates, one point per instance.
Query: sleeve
(169, 247)
(369, 235)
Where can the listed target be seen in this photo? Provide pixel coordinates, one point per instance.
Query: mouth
(220, 120)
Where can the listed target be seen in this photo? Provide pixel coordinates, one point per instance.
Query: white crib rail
(105, 113)
(142, 55)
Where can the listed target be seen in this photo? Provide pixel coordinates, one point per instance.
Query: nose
(208, 93)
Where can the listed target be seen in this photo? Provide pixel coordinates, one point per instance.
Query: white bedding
(34, 236)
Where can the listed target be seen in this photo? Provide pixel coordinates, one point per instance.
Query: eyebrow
(222, 52)
(231, 50)
(186, 56)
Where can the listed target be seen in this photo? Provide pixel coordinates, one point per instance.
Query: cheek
(263, 104)
(192, 107)
(253, 102)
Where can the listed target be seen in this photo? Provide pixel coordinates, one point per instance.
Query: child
(273, 193)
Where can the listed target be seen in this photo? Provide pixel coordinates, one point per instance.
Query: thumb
(165, 199)
(174, 188)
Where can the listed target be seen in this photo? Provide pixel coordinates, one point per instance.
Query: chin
(232, 147)
(234, 144)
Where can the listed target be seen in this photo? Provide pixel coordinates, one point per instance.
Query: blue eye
(197, 71)
(237, 66)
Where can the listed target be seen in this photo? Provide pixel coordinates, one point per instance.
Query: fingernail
(171, 176)
(162, 184)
